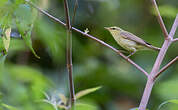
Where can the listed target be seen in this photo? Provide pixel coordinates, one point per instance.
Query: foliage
(62, 102)
(17, 14)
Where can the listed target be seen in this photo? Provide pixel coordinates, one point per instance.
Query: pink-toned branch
(174, 27)
(166, 66)
(175, 40)
(159, 18)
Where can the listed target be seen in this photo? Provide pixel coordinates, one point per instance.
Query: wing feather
(130, 36)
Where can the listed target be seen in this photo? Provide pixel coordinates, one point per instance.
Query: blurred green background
(24, 78)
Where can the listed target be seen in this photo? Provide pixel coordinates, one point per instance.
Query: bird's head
(114, 30)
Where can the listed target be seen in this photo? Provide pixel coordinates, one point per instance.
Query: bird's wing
(130, 36)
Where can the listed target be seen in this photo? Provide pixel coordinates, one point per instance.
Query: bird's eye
(113, 28)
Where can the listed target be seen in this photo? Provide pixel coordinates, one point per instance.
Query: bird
(129, 41)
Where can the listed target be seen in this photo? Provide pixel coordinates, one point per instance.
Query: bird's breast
(126, 44)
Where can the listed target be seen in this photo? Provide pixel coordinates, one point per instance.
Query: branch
(167, 66)
(174, 27)
(91, 37)
(176, 39)
(160, 20)
(69, 54)
(75, 10)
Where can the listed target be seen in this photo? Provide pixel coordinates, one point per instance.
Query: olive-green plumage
(129, 41)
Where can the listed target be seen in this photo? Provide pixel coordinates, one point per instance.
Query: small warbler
(129, 41)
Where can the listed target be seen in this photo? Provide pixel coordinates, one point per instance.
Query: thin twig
(93, 38)
(75, 11)
(175, 40)
(69, 54)
(166, 66)
(160, 20)
(174, 27)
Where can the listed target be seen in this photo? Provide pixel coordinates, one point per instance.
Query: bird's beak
(107, 28)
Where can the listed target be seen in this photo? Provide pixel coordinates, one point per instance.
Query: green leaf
(25, 17)
(82, 106)
(86, 92)
(6, 39)
(28, 42)
(9, 107)
(174, 101)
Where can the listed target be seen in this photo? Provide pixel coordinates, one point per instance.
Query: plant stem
(75, 11)
(69, 54)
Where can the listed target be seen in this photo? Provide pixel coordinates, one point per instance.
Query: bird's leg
(132, 53)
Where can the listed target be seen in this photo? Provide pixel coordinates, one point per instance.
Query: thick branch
(160, 20)
(69, 54)
(167, 66)
(91, 37)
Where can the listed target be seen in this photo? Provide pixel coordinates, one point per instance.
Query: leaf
(28, 42)
(25, 18)
(9, 107)
(86, 92)
(174, 101)
(6, 39)
(52, 100)
(82, 106)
